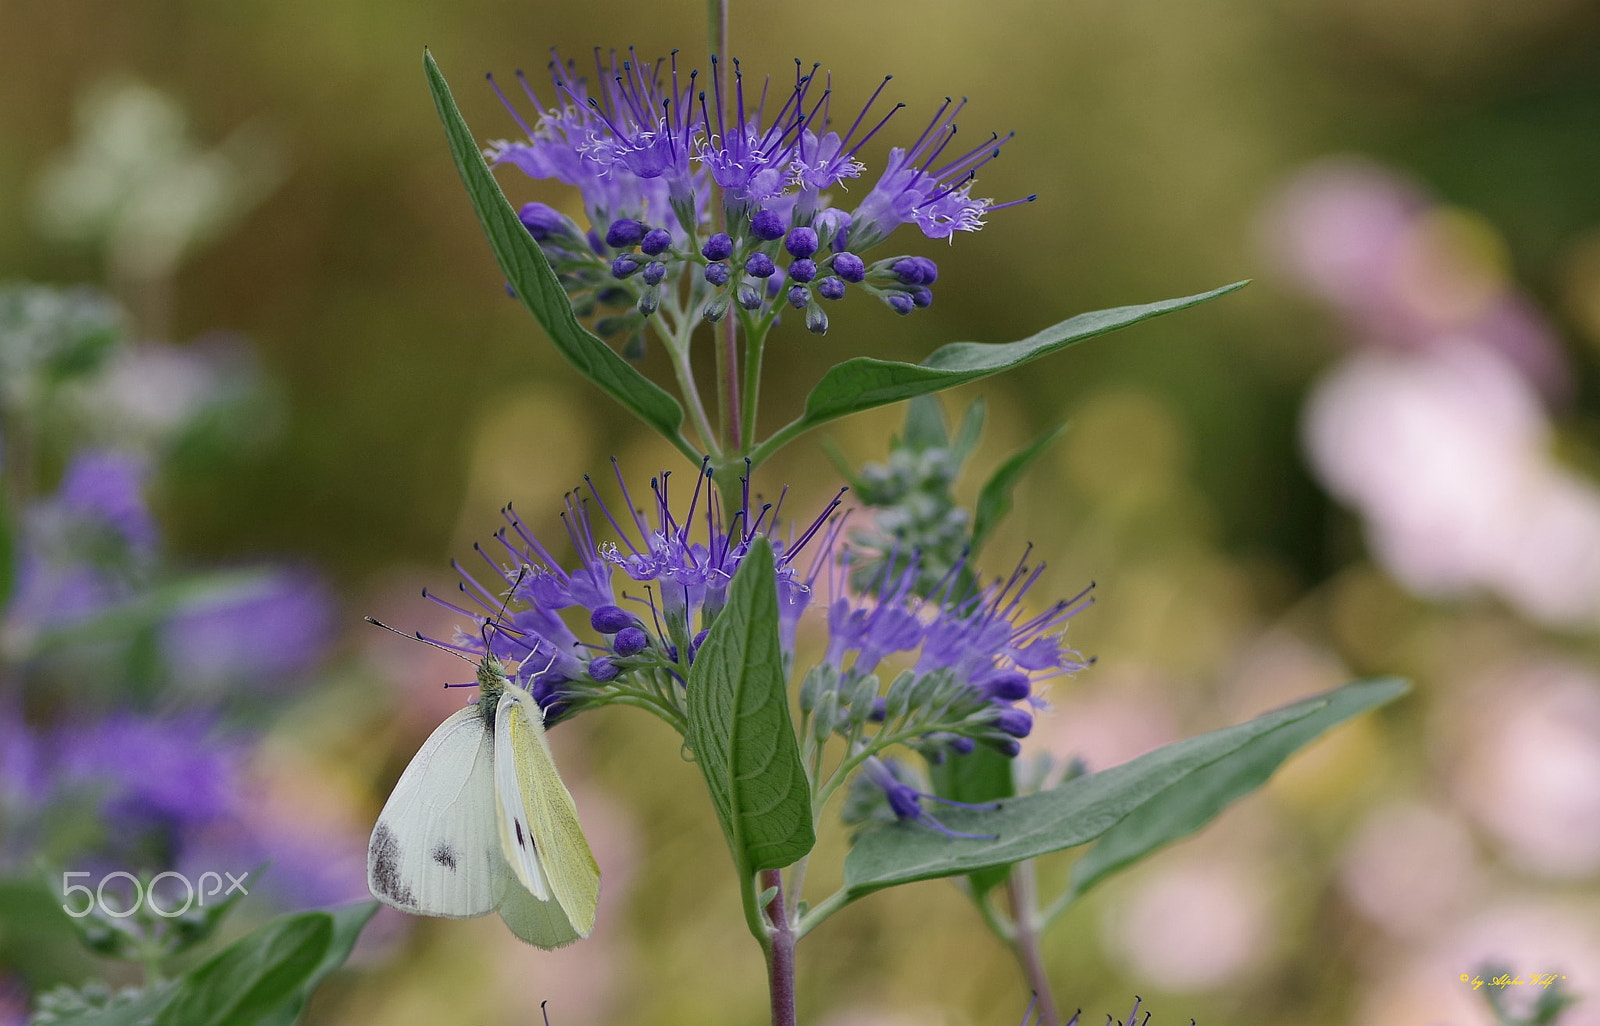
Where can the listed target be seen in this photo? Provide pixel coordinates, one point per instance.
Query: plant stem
(727, 341)
(755, 341)
(780, 952)
(678, 343)
(1021, 888)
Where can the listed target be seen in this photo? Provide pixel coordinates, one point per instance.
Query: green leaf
(971, 428)
(348, 923)
(249, 982)
(739, 726)
(994, 501)
(925, 425)
(865, 382)
(1193, 802)
(982, 775)
(197, 925)
(1081, 809)
(138, 1010)
(538, 289)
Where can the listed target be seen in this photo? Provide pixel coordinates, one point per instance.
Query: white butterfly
(480, 821)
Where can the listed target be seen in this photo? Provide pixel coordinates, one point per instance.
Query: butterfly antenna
(418, 637)
(544, 1012)
(495, 623)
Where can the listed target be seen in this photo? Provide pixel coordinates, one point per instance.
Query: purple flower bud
(542, 221)
(962, 745)
(700, 639)
(1008, 747)
(749, 297)
(656, 241)
(718, 247)
(654, 271)
(798, 296)
(630, 641)
(831, 288)
(717, 309)
(603, 669)
(767, 225)
(802, 270)
(850, 267)
(904, 801)
(901, 303)
(623, 266)
(650, 301)
(717, 274)
(624, 232)
(916, 270)
(759, 265)
(802, 242)
(1006, 686)
(1014, 721)
(610, 619)
(922, 296)
(816, 320)
(596, 243)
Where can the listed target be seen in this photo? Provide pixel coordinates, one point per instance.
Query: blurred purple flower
(83, 548)
(173, 774)
(262, 633)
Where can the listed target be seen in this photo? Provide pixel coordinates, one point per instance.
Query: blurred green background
(417, 399)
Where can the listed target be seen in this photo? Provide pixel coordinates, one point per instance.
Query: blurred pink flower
(1443, 454)
(1120, 717)
(1368, 242)
(1528, 766)
(1410, 868)
(1194, 926)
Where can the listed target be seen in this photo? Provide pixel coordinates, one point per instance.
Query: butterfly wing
(435, 850)
(537, 922)
(539, 828)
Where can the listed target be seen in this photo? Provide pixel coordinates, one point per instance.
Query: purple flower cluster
(681, 567)
(982, 642)
(645, 148)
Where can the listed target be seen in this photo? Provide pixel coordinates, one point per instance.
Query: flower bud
(850, 267)
(831, 288)
(543, 221)
(767, 225)
(802, 270)
(654, 271)
(623, 233)
(901, 303)
(802, 242)
(759, 266)
(718, 247)
(624, 266)
(629, 641)
(798, 296)
(656, 241)
(717, 274)
(603, 669)
(610, 619)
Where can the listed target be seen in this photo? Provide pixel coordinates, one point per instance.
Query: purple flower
(165, 775)
(984, 642)
(265, 632)
(905, 801)
(682, 567)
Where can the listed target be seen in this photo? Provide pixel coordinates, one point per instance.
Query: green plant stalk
(755, 335)
(678, 341)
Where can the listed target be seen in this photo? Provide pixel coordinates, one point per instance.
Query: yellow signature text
(1507, 980)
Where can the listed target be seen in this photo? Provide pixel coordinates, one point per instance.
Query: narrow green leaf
(538, 289)
(249, 982)
(1193, 802)
(865, 382)
(1081, 809)
(739, 727)
(994, 501)
(982, 775)
(348, 922)
(925, 425)
(971, 428)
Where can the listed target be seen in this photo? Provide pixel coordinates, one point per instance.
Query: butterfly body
(480, 821)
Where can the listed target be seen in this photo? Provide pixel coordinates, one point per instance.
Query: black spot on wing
(521, 841)
(444, 855)
(383, 855)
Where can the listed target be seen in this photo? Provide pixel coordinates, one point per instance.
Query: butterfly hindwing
(435, 850)
(555, 865)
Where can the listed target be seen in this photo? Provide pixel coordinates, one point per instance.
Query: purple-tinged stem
(780, 952)
(1020, 890)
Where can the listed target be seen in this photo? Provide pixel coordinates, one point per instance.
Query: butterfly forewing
(533, 798)
(436, 849)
